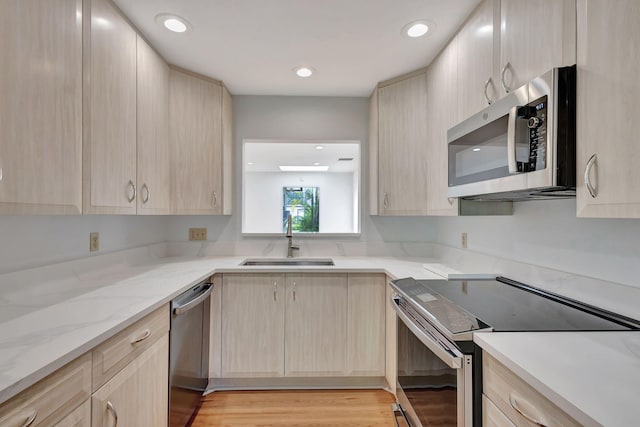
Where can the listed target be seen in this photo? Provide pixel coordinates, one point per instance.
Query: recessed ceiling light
(249, 163)
(304, 168)
(417, 28)
(476, 149)
(173, 23)
(303, 71)
(316, 164)
(319, 147)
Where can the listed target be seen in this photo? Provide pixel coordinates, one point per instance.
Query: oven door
(434, 377)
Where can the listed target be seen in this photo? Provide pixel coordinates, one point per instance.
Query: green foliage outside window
(303, 203)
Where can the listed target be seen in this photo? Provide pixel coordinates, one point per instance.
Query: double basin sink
(318, 262)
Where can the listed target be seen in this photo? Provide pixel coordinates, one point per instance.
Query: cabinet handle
(486, 95)
(112, 409)
(146, 334)
(146, 194)
(30, 419)
(514, 404)
(214, 199)
(132, 186)
(294, 291)
(587, 176)
(385, 201)
(275, 291)
(450, 200)
(506, 88)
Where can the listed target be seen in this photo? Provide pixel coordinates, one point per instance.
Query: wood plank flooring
(353, 408)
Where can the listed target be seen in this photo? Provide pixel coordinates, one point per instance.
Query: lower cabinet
(303, 325)
(510, 401)
(138, 394)
(80, 417)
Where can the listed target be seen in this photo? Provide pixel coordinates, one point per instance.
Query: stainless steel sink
(288, 262)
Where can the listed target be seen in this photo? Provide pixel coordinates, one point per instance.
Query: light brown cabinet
(477, 59)
(51, 400)
(41, 107)
(153, 165)
(109, 146)
(509, 396)
(401, 171)
(253, 325)
(442, 113)
(302, 325)
(534, 38)
(138, 394)
(608, 95)
(316, 325)
(199, 144)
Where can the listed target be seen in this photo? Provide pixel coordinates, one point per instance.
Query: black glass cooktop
(505, 305)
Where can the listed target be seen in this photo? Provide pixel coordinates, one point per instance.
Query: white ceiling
(253, 45)
(268, 156)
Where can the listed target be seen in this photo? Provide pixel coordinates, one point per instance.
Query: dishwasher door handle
(183, 308)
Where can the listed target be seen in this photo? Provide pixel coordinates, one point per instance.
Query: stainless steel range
(439, 367)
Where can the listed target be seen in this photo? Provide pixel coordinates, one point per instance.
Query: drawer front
(520, 402)
(116, 352)
(80, 417)
(50, 400)
(492, 416)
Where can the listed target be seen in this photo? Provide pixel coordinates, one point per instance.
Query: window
(303, 204)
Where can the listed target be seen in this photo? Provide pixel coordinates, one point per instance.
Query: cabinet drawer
(492, 416)
(80, 417)
(116, 352)
(518, 400)
(52, 399)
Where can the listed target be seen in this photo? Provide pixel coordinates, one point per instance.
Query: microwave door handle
(451, 358)
(511, 141)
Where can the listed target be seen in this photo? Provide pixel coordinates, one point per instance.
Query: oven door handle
(450, 356)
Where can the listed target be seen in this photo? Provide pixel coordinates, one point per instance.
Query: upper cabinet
(196, 141)
(442, 112)
(401, 136)
(477, 51)
(110, 185)
(153, 166)
(535, 36)
(608, 94)
(41, 107)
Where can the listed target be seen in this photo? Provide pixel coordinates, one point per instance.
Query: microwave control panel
(533, 118)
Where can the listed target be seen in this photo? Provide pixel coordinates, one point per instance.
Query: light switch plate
(198, 234)
(94, 241)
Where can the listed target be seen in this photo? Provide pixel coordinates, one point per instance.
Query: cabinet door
(402, 147)
(253, 325)
(373, 153)
(195, 129)
(535, 37)
(227, 152)
(41, 107)
(316, 325)
(366, 325)
(608, 94)
(138, 394)
(442, 113)
(153, 166)
(110, 111)
(476, 84)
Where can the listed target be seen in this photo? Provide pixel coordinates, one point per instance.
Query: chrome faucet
(289, 236)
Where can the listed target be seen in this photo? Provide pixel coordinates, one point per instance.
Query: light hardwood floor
(296, 408)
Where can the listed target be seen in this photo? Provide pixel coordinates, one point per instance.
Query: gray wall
(287, 117)
(30, 241)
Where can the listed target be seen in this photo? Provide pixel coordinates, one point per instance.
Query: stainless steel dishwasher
(189, 355)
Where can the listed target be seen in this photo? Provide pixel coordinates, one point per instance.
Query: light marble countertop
(52, 315)
(592, 376)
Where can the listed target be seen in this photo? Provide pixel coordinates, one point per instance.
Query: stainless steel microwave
(520, 147)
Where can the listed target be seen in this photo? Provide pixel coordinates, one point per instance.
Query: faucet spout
(289, 229)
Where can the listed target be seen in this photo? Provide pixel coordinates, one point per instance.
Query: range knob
(534, 122)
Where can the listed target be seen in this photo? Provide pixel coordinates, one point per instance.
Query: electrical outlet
(464, 240)
(197, 234)
(94, 241)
